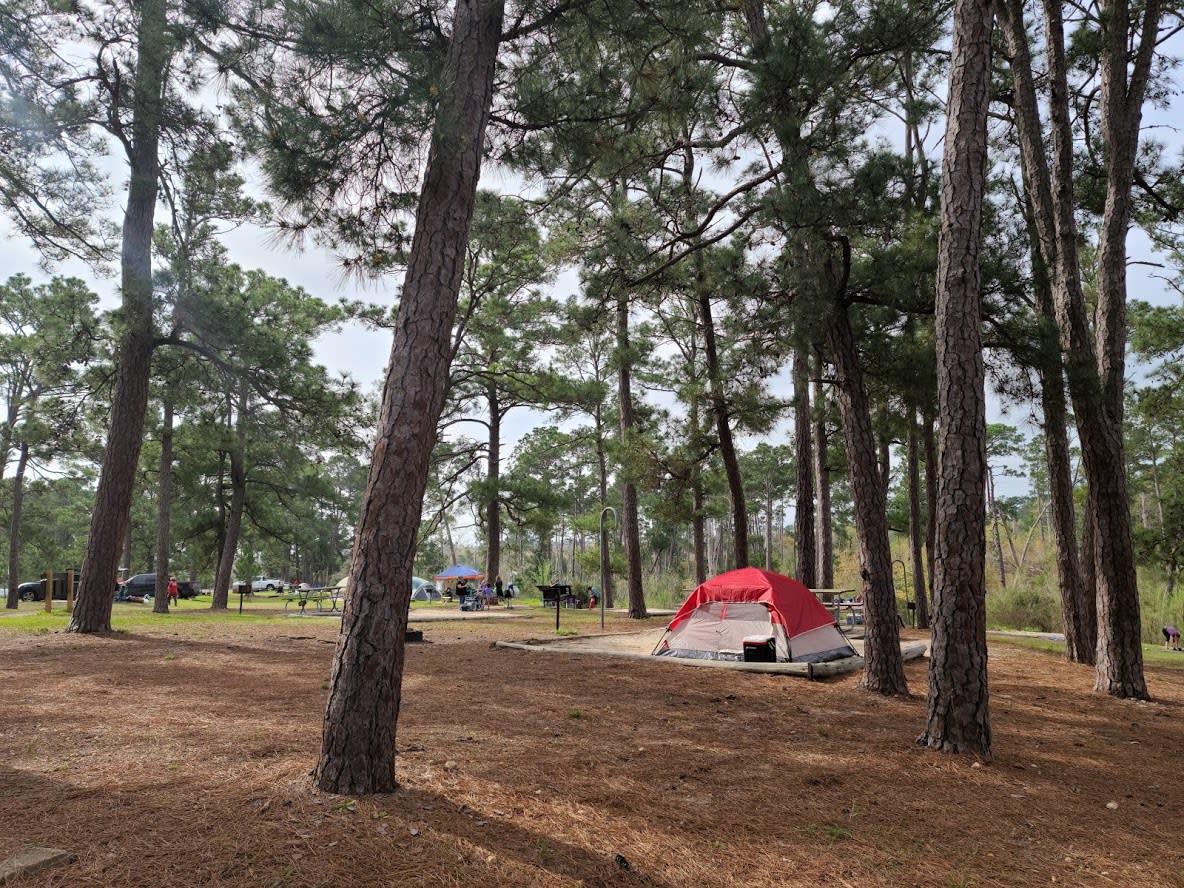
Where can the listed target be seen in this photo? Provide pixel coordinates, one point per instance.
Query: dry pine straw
(178, 760)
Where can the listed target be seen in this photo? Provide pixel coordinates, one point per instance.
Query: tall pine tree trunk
(365, 688)
(916, 531)
(883, 664)
(1119, 662)
(723, 429)
(164, 510)
(1080, 638)
(803, 523)
(698, 519)
(129, 404)
(958, 719)
(1094, 363)
(606, 564)
(929, 434)
(234, 525)
(993, 511)
(825, 516)
(14, 526)
(630, 520)
(493, 506)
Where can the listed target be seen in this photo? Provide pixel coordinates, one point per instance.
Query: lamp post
(604, 559)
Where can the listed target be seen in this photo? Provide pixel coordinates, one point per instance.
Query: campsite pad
(640, 645)
(179, 756)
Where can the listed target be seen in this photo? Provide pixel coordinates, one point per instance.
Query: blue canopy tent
(460, 572)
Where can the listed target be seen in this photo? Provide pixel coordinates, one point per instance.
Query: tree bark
(1094, 363)
(1080, 629)
(993, 511)
(1119, 662)
(365, 688)
(493, 506)
(232, 530)
(930, 505)
(883, 665)
(916, 531)
(113, 499)
(723, 429)
(884, 459)
(824, 515)
(606, 564)
(958, 717)
(698, 520)
(803, 433)
(14, 526)
(630, 522)
(164, 510)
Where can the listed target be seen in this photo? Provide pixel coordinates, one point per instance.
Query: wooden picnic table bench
(304, 597)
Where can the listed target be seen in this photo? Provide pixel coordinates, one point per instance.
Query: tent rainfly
(743, 607)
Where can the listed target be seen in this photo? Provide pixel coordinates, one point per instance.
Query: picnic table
(838, 600)
(316, 597)
(558, 595)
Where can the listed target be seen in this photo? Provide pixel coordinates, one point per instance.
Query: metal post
(604, 561)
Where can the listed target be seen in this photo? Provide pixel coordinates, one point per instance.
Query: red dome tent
(747, 604)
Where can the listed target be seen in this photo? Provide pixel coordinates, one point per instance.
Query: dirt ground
(182, 758)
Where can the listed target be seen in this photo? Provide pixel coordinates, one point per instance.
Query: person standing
(173, 592)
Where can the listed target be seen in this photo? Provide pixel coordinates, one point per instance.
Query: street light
(604, 559)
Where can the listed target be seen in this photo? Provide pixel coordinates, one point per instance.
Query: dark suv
(143, 585)
(35, 589)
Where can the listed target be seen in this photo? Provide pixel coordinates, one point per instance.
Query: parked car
(33, 591)
(143, 586)
(266, 584)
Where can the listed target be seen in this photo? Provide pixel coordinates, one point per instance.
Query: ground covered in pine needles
(180, 756)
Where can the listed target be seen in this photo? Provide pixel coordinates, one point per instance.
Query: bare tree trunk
(234, 525)
(723, 428)
(129, 404)
(883, 665)
(365, 688)
(1119, 662)
(493, 506)
(803, 434)
(164, 510)
(825, 538)
(14, 527)
(993, 511)
(958, 718)
(629, 510)
(913, 461)
(606, 570)
(697, 519)
(929, 434)
(1089, 576)
(884, 459)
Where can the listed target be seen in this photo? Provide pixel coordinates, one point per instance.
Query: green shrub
(1031, 607)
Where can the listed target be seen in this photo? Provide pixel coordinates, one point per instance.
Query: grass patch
(1152, 654)
(31, 618)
